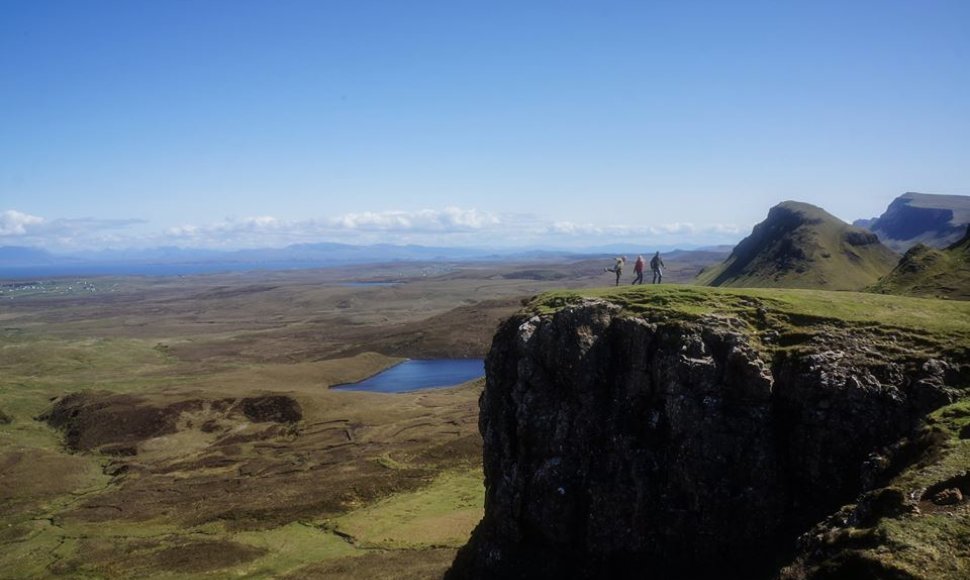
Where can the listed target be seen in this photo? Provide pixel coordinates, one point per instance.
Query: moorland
(184, 426)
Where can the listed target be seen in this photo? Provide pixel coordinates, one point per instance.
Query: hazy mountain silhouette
(914, 218)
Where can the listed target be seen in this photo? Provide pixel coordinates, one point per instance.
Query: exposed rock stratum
(641, 445)
(921, 218)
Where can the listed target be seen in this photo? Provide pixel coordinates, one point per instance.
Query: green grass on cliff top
(793, 307)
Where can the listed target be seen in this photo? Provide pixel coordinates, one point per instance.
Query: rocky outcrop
(116, 424)
(914, 218)
(646, 446)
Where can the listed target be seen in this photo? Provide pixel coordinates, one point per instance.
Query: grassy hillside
(803, 246)
(926, 271)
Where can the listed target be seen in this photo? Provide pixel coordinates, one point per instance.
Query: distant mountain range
(29, 262)
(22, 256)
(18, 262)
(914, 218)
(798, 245)
(802, 246)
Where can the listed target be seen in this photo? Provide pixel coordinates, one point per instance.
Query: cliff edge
(696, 432)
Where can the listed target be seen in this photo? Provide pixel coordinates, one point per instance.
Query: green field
(161, 463)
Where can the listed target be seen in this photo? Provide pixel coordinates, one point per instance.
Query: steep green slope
(802, 246)
(926, 271)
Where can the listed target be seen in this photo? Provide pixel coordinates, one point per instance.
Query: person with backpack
(638, 270)
(657, 265)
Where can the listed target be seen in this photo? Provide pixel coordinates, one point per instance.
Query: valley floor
(182, 427)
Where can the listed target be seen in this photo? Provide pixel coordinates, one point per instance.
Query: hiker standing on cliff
(638, 270)
(657, 265)
(618, 268)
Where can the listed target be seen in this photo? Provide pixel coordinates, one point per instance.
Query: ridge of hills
(913, 218)
(931, 273)
(31, 262)
(800, 245)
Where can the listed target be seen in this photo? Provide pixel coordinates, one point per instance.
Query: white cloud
(422, 226)
(85, 227)
(677, 228)
(449, 226)
(438, 227)
(233, 233)
(65, 233)
(263, 222)
(685, 234)
(232, 226)
(729, 229)
(451, 219)
(16, 223)
(573, 229)
(184, 231)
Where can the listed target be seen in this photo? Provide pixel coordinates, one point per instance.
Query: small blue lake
(412, 375)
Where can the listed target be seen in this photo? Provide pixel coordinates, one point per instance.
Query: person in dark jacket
(657, 265)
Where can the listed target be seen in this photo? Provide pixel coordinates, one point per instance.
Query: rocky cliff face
(913, 218)
(645, 446)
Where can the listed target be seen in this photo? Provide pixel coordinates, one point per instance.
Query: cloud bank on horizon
(450, 226)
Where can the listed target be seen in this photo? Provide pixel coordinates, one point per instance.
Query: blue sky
(558, 123)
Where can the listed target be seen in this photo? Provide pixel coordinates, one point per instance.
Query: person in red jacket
(638, 270)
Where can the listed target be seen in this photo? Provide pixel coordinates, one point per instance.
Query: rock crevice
(619, 446)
